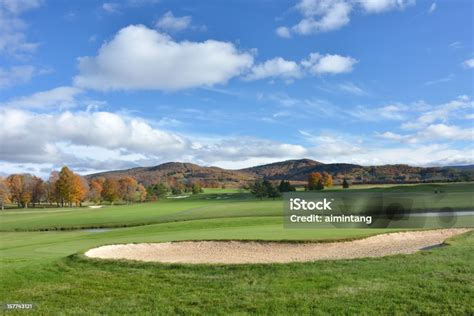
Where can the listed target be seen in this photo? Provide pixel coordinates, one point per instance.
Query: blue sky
(102, 85)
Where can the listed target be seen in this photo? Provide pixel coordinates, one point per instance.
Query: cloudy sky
(103, 85)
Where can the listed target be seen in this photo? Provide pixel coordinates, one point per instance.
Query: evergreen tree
(345, 184)
(258, 189)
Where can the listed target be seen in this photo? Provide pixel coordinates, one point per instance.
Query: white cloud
(432, 8)
(315, 64)
(92, 141)
(276, 67)
(169, 22)
(243, 148)
(13, 41)
(156, 61)
(283, 31)
(352, 88)
(440, 80)
(456, 45)
(111, 7)
(57, 98)
(329, 15)
(441, 113)
(443, 131)
(433, 133)
(395, 112)
(378, 6)
(17, 75)
(33, 137)
(117, 7)
(329, 64)
(469, 63)
(322, 16)
(19, 6)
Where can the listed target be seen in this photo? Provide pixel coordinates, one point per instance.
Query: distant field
(47, 268)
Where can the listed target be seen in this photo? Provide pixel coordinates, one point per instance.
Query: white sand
(239, 252)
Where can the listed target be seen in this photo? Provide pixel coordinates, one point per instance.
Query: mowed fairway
(48, 269)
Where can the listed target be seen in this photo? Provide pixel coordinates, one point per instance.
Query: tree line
(66, 188)
(262, 188)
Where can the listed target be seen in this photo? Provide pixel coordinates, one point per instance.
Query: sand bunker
(238, 252)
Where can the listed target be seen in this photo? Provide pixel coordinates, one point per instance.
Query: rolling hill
(296, 171)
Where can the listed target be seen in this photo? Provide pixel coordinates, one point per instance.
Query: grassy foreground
(47, 268)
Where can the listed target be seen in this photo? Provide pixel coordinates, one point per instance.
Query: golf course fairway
(42, 262)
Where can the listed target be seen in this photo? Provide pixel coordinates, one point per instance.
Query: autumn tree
(65, 186)
(95, 190)
(196, 188)
(38, 190)
(52, 194)
(20, 186)
(71, 188)
(111, 190)
(4, 193)
(315, 181)
(141, 193)
(128, 188)
(15, 186)
(327, 180)
(79, 190)
(178, 188)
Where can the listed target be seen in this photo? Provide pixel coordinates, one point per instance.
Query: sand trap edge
(225, 252)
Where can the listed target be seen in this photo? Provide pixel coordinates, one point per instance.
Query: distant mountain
(296, 171)
(466, 167)
(177, 171)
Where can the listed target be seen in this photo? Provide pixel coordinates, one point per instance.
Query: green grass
(212, 204)
(47, 268)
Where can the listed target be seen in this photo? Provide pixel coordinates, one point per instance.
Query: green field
(47, 268)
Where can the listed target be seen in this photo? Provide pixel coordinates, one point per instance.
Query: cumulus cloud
(322, 16)
(276, 67)
(57, 98)
(329, 64)
(35, 137)
(432, 8)
(315, 64)
(92, 139)
(13, 41)
(469, 63)
(378, 6)
(142, 58)
(169, 22)
(329, 15)
(283, 31)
